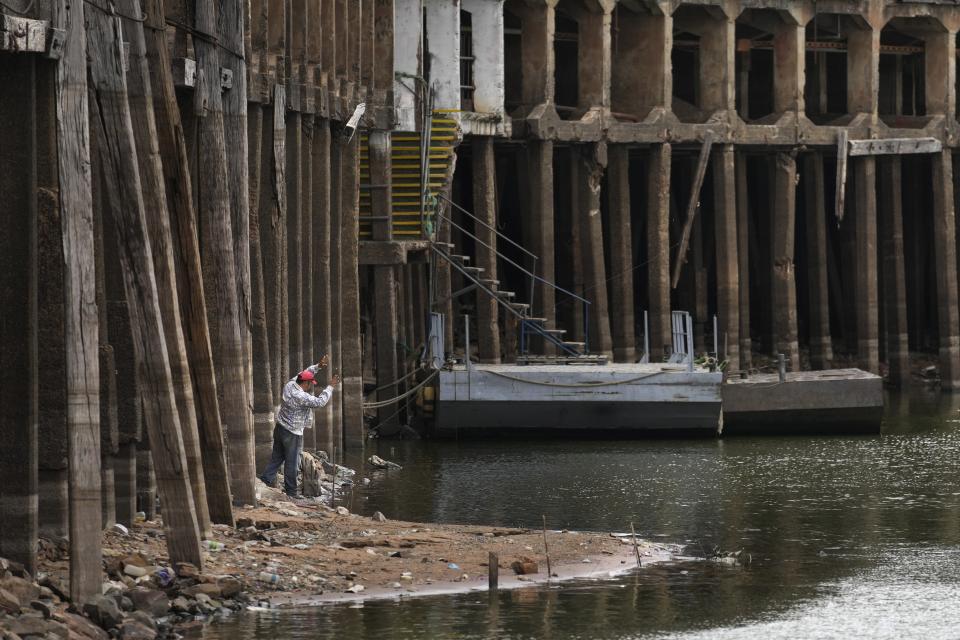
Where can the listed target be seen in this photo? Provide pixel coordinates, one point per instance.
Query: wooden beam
(692, 206)
(218, 257)
(841, 175)
(177, 177)
(122, 186)
(83, 365)
(894, 146)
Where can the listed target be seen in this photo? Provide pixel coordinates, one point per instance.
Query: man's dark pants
(286, 451)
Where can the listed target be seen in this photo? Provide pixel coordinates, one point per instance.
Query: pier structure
(194, 206)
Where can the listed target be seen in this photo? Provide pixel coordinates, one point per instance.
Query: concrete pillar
(865, 221)
(443, 41)
(743, 261)
(322, 300)
(658, 251)
(621, 255)
(593, 160)
(385, 311)
(945, 255)
(789, 59)
(728, 277)
(537, 54)
(863, 70)
(125, 483)
(540, 173)
(408, 21)
(336, 286)
(783, 221)
(485, 208)
(18, 299)
(890, 205)
(594, 55)
(641, 76)
(940, 65)
(307, 320)
(488, 69)
(821, 344)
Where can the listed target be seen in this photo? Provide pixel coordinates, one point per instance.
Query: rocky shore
(290, 554)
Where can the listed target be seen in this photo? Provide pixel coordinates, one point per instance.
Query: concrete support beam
(336, 284)
(945, 255)
(540, 175)
(18, 299)
(485, 208)
(728, 277)
(488, 69)
(125, 483)
(867, 311)
(789, 59)
(743, 261)
(783, 222)
(821, 346)
(146, 483)
(863, 71)
(940, 67)
(894, 294)
(294, 239)
(306, 261)
(387, 333)
(408, 20)
(593, 161)
(658, 251)
(620, 234)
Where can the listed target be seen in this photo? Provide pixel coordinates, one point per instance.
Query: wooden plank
(218, 257)
(122, 186)
(176, 167)
(230, 31)
(83, 365)
(18, 299)
(161, 243)
(894, 146)
(692, 206)
(841, 175)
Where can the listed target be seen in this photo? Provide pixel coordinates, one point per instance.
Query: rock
(54, 585)
(133, 630)
(343, 511)
(143, 618)
(81, 628)
(28, 626)
(150, 601)
(15, 568)
(180, 604)
(119, 528)
(229, 586)
(134, 571)
(524, 566)
(23, 589)
(205, 588)
(379, 463)
(202, 598)
(187, 570)
(9, 602)
(357, 588)
(379, 517)
(45, 608)
(137, 560)
(243, 523)
(126, 604)
(104, 611)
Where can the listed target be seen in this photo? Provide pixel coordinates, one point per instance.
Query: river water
(849, 536)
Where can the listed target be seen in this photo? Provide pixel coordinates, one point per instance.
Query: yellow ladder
(405, 183)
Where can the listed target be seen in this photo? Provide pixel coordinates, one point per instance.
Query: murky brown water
(850, 536)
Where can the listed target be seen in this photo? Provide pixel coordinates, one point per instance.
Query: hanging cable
(402, 396)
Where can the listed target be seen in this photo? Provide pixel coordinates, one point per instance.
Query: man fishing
(295, 415)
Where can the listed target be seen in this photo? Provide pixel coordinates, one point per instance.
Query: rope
(574, 385)
(385, 403)
(396, 382)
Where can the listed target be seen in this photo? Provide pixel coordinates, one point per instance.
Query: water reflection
(850, 536)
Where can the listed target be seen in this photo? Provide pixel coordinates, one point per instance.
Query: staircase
(407, 161)
(567, 351)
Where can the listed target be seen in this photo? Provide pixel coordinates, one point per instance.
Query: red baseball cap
(307, 376)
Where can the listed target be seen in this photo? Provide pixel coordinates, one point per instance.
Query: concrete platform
(834, 401)
(650, 398)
